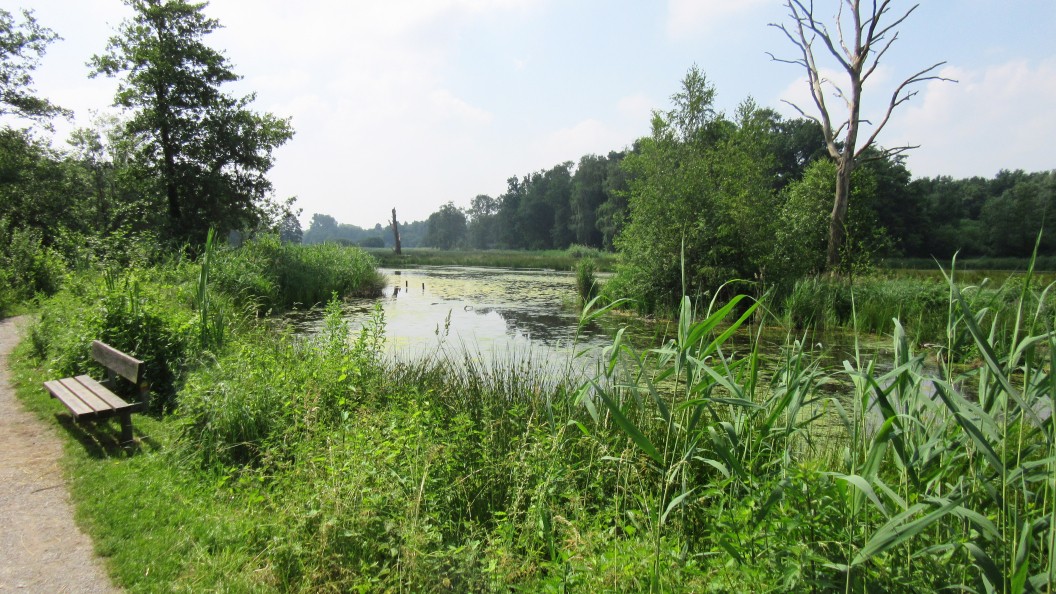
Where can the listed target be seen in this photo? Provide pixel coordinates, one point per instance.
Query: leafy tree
(290, 229)
(588, 194)
(535, 214)
(38, 188)
(702, 207)
(802, 232)
(322, 228)
(508, 217)
(558, 194)
(612, 213)
(208, 150)
(447, 228)
(21, 47)
(1013, 219)
(482, 225)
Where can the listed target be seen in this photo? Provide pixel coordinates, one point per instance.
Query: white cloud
(447, 106)
(688, 17)
(589, 136)
(637, 107)
(875, 95)
(998, 117)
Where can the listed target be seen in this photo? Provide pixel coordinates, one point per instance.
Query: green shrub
(143, 318)
(29, 267)
(268, 391)
(586, 280)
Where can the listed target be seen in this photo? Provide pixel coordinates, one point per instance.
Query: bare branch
(877, 35)
(801, 112)
(786, 60)
(818, 29)
(887, 152)
(897, 99)
(877, 56)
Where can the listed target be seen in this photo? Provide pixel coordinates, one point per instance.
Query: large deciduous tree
(21, 47)
(447, 228)
(210, 152)
(701, 202)
(861, 37)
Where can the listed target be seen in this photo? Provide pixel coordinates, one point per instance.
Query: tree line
(588, 203)
(185, 155)
(704, 198)
(708, 197)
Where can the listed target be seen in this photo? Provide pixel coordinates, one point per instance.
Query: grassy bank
(1040, 263)
(546, 259)
(311, 464)
(871, 304)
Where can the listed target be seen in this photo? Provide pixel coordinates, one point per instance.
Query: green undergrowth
(273, 276)
(297, 463)
(870, 304)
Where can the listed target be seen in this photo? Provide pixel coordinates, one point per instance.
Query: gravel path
(41, 547)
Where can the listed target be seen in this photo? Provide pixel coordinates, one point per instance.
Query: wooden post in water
(396, 233)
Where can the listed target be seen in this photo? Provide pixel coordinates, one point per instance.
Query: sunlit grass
(312, 463)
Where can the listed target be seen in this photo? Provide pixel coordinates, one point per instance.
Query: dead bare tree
(860, 40)
(396, 234)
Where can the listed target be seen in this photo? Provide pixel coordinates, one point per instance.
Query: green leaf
(863, 486)
(674, 504)
(898, 530)
(631, 429)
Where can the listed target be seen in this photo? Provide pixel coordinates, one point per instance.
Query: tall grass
(899, 482)
(698, 465)
(276, 276)
(871, 304)
(518, 259)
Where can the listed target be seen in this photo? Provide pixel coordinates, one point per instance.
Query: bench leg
(126, 428)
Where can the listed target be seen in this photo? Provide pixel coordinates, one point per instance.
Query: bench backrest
(121, 364)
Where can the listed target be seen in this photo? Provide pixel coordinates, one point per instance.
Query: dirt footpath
(41, 548)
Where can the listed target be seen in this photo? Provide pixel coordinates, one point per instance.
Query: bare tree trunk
(838, 220)
(396, 233)
(856, 41)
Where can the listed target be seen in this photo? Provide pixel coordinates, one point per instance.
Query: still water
(497, 314)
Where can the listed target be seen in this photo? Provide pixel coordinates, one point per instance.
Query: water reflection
(493, 313)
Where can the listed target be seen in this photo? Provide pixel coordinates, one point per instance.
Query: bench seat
(86, 397)
(89, 399)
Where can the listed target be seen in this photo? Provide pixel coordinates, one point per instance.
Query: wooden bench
(89, 399)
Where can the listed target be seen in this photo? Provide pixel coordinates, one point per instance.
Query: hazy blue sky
(412, 103)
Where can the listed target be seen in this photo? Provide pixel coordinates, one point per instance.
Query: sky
(409, 104)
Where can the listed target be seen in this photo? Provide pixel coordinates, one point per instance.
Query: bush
(144, 318)
(276, 276)
(27, 266)
(268, 391)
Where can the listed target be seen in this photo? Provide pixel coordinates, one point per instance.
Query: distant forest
(586, 203)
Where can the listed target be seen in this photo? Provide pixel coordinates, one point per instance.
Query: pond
(497, 314)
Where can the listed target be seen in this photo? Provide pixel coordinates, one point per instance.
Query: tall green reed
(874, 476)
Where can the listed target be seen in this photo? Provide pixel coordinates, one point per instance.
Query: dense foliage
(275, 461)
(312, 463)
(206, 150)
(188, 158)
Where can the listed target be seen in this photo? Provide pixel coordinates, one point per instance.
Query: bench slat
(127, 367)
(92, 401)
(71, 400)
(109, 398)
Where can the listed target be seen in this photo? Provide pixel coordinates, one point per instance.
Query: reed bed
(517, 259)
